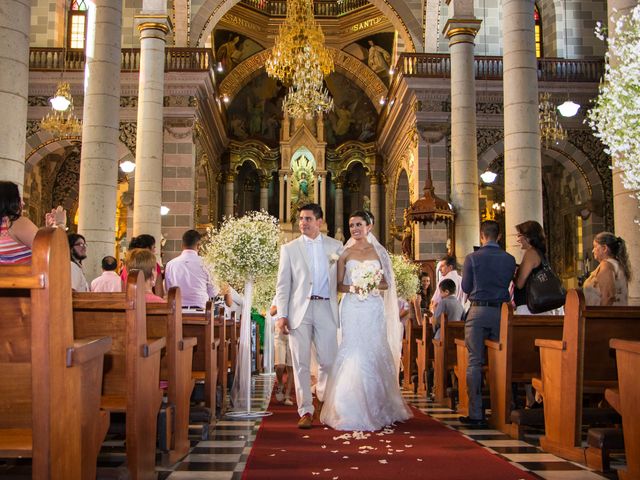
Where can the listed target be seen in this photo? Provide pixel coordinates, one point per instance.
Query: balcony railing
(278, 8)
(175, 59)
(426, 65)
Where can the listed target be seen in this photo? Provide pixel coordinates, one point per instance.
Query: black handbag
(544, 289)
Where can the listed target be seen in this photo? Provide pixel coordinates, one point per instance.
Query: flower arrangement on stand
(407, 275)
(615, 118)
(243, 251)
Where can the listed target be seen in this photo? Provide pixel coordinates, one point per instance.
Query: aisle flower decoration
(243, 251)
(264, 291)
(615, 117)
(407, 276)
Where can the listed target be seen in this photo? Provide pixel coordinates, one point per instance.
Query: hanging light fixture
(489, 177)
(300, 60)
(551, 131)
(568, 108)
(61, 121)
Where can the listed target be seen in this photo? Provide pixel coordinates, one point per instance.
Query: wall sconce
(127, 166)
(489, 176)
(220, 68)
(382, 101)
(164, 210)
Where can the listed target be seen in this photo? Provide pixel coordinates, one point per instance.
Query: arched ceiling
(397, 11)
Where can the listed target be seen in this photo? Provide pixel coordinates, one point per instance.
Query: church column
(100, 131)
(14, 87)
(374, 196)
(281, 197)
(339, 219)
(149, 142)
(229, 180)
(461, 30)
(625, 206)
(522, 161)
(288, 197)
(316, 187)
(323, 191)
(265, 181)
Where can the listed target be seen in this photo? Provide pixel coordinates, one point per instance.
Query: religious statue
(229, 55)
(405, 236)
(303, 185)
(379, 60)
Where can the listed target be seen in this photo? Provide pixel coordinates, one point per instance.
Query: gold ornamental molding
(463, 27)
(153, 22)
(346, 64)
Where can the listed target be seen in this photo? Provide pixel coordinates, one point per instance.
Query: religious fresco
(376, 51)
(256, 112)
(231, 48)
(353, 116)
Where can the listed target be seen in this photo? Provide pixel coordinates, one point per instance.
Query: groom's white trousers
(317, 327)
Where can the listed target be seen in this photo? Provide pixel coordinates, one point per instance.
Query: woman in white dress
(363, 392)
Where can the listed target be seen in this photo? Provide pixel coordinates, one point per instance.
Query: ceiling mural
(232, 48)
(376, 51)
(256, 112)
(353, 116)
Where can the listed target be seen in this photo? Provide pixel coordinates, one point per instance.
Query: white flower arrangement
(407, 277)
(263, 293)
(333, 258)
(365, 278)
(616, 115)
(245, 248)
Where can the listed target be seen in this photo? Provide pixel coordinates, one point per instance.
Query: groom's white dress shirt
(315, 250)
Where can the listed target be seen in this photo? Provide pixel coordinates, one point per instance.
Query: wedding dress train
(362, 391)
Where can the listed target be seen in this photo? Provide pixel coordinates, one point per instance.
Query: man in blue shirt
(486, 276)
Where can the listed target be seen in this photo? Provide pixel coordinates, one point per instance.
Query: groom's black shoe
(473, 421)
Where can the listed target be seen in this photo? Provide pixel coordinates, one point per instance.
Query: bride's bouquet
(365, 278)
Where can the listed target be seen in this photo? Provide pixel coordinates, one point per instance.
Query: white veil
(390, 298)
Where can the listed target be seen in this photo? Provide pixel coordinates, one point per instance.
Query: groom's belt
(318, 297)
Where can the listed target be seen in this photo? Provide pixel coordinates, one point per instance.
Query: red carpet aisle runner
(421, 448)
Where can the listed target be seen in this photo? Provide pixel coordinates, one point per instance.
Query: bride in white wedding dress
(362, 391)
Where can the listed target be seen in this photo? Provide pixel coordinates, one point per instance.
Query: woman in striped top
(17, 232)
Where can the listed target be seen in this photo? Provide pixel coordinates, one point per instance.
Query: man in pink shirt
(109, 281)
(188, 272)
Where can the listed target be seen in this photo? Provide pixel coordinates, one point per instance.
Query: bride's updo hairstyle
(362, 214)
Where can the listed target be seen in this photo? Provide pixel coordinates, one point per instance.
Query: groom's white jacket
(295, 279)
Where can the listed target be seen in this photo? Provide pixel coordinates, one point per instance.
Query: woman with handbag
(608, 283)
(527, 286)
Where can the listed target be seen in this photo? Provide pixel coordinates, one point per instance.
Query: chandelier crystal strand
(551, 131)
(300, 61)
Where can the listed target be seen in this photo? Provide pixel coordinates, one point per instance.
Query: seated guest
(424, 294)
(233, 302)
(608, 284)
(188, 272)
(109, 281)
(448, 304)
(16, 231)
(149, 242)
(78, 251)
(447, 270)
(145, 261)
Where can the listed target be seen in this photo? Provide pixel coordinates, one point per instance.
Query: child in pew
(145, 261)
(448, 304)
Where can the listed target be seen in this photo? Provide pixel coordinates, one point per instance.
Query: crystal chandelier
(551, 131)
(300, 60)
(61, 120)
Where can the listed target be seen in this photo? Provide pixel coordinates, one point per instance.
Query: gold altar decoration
(300, 60)
(551, 131)
(61, 120)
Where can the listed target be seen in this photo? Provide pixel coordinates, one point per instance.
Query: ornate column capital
(461, 30)
(338, 182)
(153, 22)
(374, 178)
(230, 177)
(180, 128)
(265, 181)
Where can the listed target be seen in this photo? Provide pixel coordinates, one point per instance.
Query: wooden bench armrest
(216, 343)
(153, 347)
(87, 349)
(552, 344)
(612, 395)
(459, 341)
(437, 343)
(537, 385)
(190, 320)
(188, 342)
(626, 345)
(493, 345)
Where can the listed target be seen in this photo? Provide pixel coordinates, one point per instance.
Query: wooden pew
(444, 355)
(424, 354)
(626, 399)
(410, 352)
(49, 382)
(579, 363)
(460, 371)
(514, 358)
(205, 356)
(165, 320)
(224, 353)
(131, 377)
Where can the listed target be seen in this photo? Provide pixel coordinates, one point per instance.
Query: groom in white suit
(307, 302)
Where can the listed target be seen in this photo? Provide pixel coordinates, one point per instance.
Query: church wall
(44, 24)
(130, 34)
